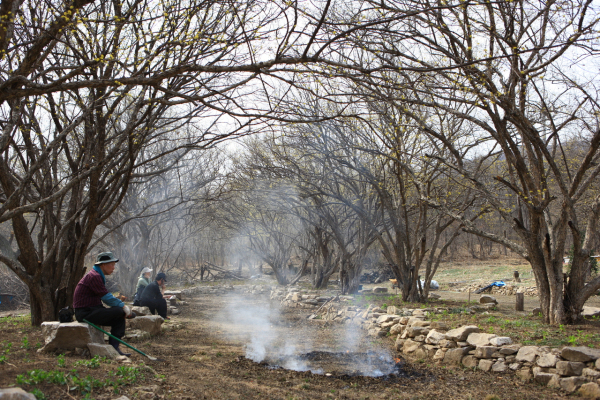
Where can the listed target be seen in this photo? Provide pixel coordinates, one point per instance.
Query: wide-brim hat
(106, 257)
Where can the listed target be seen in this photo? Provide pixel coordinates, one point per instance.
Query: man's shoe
(121, 353)
(115, 344)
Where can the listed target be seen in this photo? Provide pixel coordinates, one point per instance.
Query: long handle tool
(128, 345)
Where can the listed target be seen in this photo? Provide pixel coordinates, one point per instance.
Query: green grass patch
(84, 385)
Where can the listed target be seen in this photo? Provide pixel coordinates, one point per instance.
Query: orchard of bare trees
(311, 138)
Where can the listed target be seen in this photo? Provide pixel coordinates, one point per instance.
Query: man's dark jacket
(151, 293)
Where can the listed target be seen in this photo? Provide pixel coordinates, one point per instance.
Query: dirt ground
(206, 359)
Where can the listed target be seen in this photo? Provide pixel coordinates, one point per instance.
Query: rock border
(418, 337)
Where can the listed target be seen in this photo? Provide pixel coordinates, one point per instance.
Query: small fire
(397, 360)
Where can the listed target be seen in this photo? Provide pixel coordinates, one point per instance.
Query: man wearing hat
(153, 298)
(91, 292)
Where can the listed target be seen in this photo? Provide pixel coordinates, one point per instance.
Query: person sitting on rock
(141, 285)
(91, 292)
(153, 298)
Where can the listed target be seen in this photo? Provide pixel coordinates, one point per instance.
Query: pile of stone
(295, 298)
(82, 339)
(508, 290)
(570, 368)
(215, 289)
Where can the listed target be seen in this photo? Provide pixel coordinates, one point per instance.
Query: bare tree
(502, 67)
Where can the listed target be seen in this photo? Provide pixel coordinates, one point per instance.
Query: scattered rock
(400, 343)
(514, 366)
(69, 336)
(397, 329)
(380, 289)
(102, 350)
(486, 365)
(392, 310)
(486, 299)
(590, 373)
(440, 326)
(461, 334)
(500, 341)
(439, 355)
(434, 337)
(410, 346)
(485, 351)
(176, 293)
(480, 339)
(589, 391)
(499, 366)
(536, 311)
(141, 311)
(377, 332)
(384, 318)
(580, 354)
(150, 324)
(571, 384)
(415, 331)
(15, 393)
(590, 311)
(454, 356)
(527, 354)
(524, 374)
(543, 377)
(569, 368)
(510, 349)
(420, 323)
(470, 361)
(447, 344)
(547, 360)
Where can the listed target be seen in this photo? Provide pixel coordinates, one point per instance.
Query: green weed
(61, 360)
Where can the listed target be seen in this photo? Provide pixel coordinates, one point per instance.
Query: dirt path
(207, 360)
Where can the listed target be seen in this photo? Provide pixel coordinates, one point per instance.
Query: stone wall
(418, 336)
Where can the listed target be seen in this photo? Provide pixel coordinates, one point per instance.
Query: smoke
(280, 339)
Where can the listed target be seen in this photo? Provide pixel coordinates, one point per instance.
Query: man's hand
(128, 312)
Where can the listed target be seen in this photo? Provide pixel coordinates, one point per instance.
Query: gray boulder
(499, 366)
(69, 336)
(528, 354)
(102, 350)
(15, 393)
(461, 334)
(434, 337)
(500, 341)
(569, 368)
(150, 324)
(141, 311)
(454, 356)
(486, 299)
(571, 384)
(480, 339)
(543, 378)
(485, 351)
(486, 365)
(580, 354)
(547, 360)
(589, 391)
